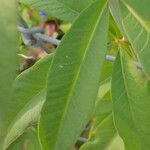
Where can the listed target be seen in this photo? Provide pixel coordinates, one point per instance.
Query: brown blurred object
(29, 60)
(51, 28)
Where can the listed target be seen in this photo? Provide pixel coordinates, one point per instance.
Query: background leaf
(8, 60)
(102, 136)
(28, 141)
(27, 98)
(63, 9)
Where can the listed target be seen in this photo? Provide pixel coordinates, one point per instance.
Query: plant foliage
(50, 104)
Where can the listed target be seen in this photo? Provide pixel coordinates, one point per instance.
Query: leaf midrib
(136, 16)
(78, 72)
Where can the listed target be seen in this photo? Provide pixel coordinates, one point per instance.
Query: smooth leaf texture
(143, 9)
(138, 33)
(115, 11)
(28, 117)
(27, 98)
(73, 80)
(74, 4)
(28, 141)
(102, 135)
(8, 61)
(66, 10)
(130, 104)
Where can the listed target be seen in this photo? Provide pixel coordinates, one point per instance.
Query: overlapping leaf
(130, 104)
(138, 33)
(27, 99)
(103, 134)
(63, 9)
(74, 79)
(103, 130)
(28, 141)
(115, 11)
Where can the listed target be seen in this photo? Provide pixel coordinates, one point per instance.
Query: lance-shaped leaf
(8, 61)
(130, 104)
(138, 33)
(27, 99)
(63, 9)
(73, 80)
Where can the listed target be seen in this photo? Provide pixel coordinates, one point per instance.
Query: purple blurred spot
(43, 15)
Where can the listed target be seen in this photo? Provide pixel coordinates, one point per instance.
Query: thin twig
(37, 36)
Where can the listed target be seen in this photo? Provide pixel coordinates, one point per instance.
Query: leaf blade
(138, 33)
(27, 98)
(129, 111)
(8, 59)
(67, 75)
(64, 10)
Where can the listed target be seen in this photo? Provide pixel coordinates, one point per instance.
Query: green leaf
(130, 104)
(73, 80)
(102, 136)
(8, 61)
(138, 33)
(28, 117)
(143, 9)
(66, 10)
(77, 5)
(117, 144)
(105, 87)
(28, 141)
(27, 98)
(115, 11)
